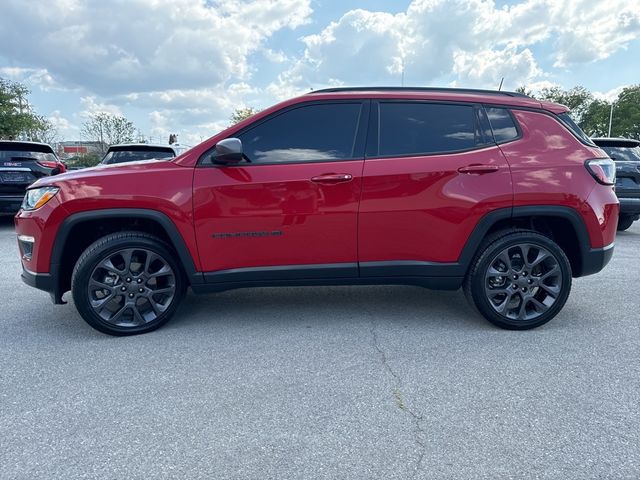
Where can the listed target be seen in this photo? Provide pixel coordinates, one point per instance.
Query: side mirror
(228, 151)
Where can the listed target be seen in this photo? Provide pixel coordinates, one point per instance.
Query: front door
(290, 209)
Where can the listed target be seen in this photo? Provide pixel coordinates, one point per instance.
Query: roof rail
(419, 89)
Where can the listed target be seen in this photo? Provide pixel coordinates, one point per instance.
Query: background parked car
(133, 152)
(626, 153)
(21, 164)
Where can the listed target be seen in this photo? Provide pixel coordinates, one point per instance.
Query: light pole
(611, 118)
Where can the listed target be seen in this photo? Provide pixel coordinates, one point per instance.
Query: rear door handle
(478, 169)
(331, 178)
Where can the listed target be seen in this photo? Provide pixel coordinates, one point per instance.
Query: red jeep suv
(494, 192)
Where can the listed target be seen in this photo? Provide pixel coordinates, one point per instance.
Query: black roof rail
(419, 89)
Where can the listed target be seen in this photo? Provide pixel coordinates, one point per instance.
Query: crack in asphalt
(416, 418)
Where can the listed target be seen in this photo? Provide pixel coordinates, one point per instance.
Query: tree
(626, 113)
(17, 118)
(44, 131)
(577, 99)
(592, 114)
(595, 121)
(108, 129)
(240, 114)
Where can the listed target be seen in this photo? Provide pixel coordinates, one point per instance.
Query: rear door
(432, 171)
(290, 209)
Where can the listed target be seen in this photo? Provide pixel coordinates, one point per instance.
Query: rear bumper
(596, 259)
(629, 206)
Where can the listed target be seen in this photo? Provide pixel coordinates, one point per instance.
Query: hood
(86, 174)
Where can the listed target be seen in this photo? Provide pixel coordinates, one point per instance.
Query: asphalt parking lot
(335, 382)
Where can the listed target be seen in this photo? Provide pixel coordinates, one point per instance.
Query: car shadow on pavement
(385, 305)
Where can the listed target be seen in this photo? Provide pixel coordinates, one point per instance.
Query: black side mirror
(228, 151)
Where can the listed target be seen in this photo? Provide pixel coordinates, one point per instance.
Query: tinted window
(624, 154)
(25, 154)
(504, 128)
(312, 132)
(122, 156)
(423, 128)
(17, 151)
(566, 119)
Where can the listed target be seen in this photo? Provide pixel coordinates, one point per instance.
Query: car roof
(616, 142)
(150, 145)
(499, 97)
(42, 147)
(175, 147)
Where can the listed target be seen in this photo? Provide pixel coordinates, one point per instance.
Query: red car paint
(418, 208)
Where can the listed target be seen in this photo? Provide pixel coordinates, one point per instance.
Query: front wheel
(519, 280)
(127, 283)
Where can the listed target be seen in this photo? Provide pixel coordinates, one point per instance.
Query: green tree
(240, 114)
(595, 121)
(626, 113)
(577, 99)
(108, 129)
(17, 118)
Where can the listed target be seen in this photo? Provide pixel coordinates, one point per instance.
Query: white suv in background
(134, 152)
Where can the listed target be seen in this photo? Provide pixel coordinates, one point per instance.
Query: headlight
(37, 197)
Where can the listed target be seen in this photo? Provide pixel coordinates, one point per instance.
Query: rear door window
(420, 128)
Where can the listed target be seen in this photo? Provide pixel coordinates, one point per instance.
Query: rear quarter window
(502, 123)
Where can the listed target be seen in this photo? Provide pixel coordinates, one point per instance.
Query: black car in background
(626, 153)
(21, 164)
(135, 152)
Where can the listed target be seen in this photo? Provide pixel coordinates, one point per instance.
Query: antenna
(500, 87)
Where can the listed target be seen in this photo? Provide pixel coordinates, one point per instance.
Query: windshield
(573, 126)
(137, 154)
(623, 153)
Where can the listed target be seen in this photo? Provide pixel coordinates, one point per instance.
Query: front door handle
(478, 169)
(332, 178)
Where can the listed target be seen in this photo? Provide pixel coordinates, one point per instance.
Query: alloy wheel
(131, 287)
(523, 281)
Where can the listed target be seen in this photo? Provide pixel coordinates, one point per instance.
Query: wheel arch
(564, 225)
(81, 229)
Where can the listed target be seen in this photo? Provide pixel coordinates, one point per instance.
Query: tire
(514, 294)
(624, 222)
(127, 283)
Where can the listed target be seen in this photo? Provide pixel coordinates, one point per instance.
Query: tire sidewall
(480, 299)
(97, 253)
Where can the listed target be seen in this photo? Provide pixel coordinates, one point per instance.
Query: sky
(183, 66)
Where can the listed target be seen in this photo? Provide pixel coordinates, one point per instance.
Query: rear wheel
(519, 280)
(624, 222)
(127, 283)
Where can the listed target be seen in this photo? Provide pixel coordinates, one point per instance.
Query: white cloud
(143, 45)
(473, 40)
(182, 66)
(65, 128)
(90, 107)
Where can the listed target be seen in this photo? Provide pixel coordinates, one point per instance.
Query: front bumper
(43, 281)
(596, 259)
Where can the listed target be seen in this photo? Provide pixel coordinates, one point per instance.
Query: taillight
(48, 164)
(602, 169)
